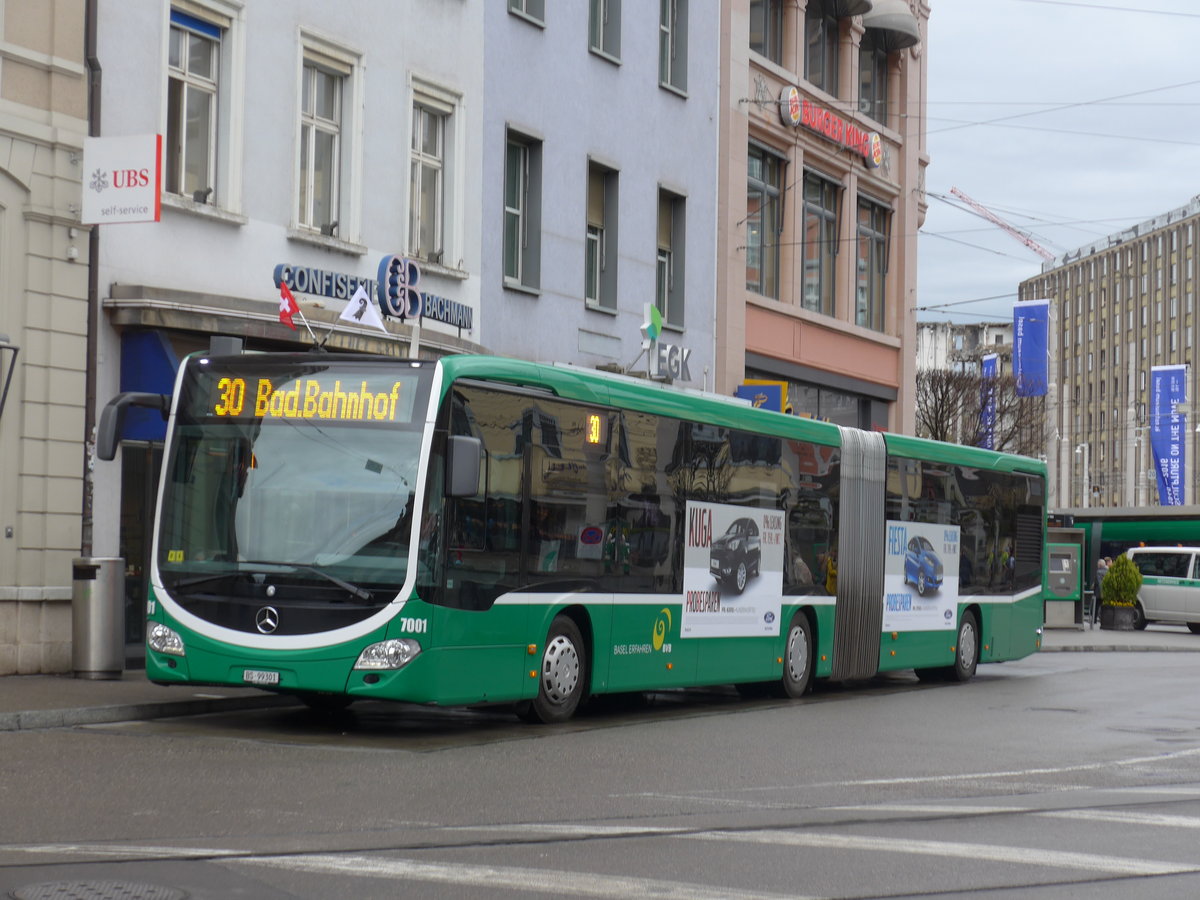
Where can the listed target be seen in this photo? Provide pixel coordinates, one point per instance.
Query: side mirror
(112, 419)
(463, 456)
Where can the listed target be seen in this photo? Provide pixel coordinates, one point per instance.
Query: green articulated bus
(480, 530)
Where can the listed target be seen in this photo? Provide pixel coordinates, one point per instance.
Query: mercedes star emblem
(267, 619)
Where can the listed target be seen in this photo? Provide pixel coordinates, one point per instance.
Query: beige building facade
(43, 327)
(1120, 308)
(821, 197)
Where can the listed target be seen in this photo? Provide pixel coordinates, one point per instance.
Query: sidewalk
(1156, 638)
(56, 701)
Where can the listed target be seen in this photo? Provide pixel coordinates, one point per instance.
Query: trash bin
(98, 617)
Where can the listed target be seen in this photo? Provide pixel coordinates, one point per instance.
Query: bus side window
(568, 494)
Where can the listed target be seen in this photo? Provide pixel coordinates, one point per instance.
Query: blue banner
(1168, 389)
(1031, 329)
(989, 369)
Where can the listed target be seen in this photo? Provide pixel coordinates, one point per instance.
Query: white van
(1170, 585)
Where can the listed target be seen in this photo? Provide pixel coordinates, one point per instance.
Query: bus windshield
(300, 469)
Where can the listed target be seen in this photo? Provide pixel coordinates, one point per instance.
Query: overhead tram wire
(1065, 106)
(977, 247)
(1125, 9)
(949, 202)
(944, 308)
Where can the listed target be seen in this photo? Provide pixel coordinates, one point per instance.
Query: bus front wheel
(562, 677)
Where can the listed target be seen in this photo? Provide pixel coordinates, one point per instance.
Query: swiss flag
(287, 306)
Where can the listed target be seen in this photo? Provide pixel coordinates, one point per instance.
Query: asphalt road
(1063, 775)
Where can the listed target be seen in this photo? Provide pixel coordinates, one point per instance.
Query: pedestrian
(829, 572)
(1101, 570)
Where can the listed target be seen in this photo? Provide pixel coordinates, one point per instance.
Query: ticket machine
(1064, 593)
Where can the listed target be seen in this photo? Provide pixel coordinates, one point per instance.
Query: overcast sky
(1070, 120)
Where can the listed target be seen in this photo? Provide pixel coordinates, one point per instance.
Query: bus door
(568, 545)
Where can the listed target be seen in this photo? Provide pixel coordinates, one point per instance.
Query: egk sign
(666, 361)
(122, 179)
(669, 361)
(796, 111)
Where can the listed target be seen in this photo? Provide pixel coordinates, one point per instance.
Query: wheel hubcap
(966, 646)
(797, 655)
(741, 576)
(560, 669)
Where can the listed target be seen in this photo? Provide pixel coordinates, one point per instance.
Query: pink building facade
(821, 195)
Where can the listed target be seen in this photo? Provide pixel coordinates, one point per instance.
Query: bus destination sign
(308, 398)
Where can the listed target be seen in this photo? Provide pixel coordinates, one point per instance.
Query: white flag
(361, 311)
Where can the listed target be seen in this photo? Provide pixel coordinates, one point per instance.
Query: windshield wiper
(201, 579)
(352, 589)
(360, 593)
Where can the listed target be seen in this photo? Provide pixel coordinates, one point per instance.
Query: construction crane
(1000, 223)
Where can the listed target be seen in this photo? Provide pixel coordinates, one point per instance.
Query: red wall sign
(795, 111)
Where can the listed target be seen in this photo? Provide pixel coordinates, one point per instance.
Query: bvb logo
(661, 626)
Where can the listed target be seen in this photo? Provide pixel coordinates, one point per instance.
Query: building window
(672, 44)
(872, 264)
(534, 10)
(430, 173)
(320, 145)
(600, 268)
(604, 27)
(764, 220)
(820, 242)
(193, 80)
(522, 210)
(873, 76)
(821, 37)
(766, 29)
(668, 295)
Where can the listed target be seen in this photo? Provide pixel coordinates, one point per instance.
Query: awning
(846, 8)
(897, 26)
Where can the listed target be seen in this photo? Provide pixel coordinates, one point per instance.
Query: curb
(31, 720)
(1117, 648)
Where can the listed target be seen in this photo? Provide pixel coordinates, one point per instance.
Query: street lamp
(1087, 480)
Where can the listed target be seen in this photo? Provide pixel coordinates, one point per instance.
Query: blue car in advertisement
(922, 566)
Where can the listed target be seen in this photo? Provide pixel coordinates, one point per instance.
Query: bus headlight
(393, 654)
(164, 640)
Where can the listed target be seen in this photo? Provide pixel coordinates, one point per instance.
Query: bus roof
(623, 391)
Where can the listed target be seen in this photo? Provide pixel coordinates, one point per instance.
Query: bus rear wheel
(797, 659)
(562, 677)
(966, 653)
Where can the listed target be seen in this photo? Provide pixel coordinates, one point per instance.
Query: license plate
(259, 676)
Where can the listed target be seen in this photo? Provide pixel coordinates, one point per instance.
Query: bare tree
(950, 407)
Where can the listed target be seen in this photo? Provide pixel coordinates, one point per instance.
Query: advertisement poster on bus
(732, 571)
(920, 577)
